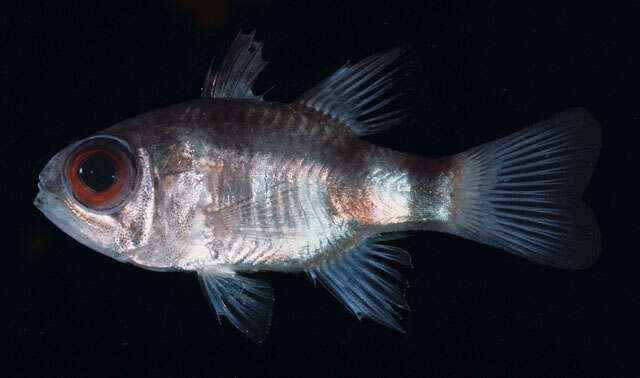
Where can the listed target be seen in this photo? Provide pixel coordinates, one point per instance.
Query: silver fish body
(308, 188)
(231, 184)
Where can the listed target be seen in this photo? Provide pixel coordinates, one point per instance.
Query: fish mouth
(39, 200)
(42, 197)
(56, 210)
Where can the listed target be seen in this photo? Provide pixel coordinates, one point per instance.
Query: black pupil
(98, 172)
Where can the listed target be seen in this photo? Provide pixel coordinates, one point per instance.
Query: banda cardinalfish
(231, 184)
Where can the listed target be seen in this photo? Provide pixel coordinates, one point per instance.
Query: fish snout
(46, 188)
(39, 200)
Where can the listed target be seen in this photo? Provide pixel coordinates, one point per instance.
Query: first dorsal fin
(355, 94)
(239, 70)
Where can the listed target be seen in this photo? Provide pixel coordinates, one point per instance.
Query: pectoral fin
(246, 302)
(267, 215)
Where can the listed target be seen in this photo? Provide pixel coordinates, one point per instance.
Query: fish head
(100, 192)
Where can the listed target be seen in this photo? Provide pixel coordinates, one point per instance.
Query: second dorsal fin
(355, 94)
(239, 70)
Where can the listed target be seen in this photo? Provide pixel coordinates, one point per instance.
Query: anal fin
(364, 281)
(246, 302)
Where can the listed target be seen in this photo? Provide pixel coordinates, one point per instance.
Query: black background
(482, 71)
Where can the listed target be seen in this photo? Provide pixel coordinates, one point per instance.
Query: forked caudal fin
(522, 193)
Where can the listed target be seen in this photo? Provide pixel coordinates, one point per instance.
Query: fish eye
(100, 173)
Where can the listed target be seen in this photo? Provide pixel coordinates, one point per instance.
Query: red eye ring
(124, 181)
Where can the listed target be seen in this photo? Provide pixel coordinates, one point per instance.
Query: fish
(230, 184)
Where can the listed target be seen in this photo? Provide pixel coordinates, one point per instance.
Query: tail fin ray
(522, 193)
